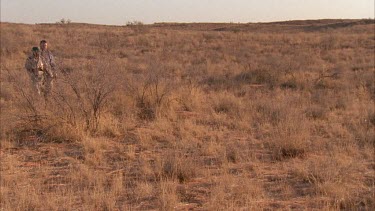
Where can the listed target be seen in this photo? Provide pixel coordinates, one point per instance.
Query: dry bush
(167, 195)
(32, 131)
(336, 176)
(32, 119)
(235, 193)
(227, 103)
(83, 97)
(75, 106)
(144, 190)
(360, 125)
(176, 167)
(151, 92)
(97, 189)
(191, 97)
(329, 42)
(259, 76)
(283, 125)
(291, 139)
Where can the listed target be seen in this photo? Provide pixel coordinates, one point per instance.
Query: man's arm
(29, 65)
(52, 60)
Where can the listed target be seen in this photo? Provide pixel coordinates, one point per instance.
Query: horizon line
(193, 22)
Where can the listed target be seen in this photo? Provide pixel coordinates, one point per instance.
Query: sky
(119, 12)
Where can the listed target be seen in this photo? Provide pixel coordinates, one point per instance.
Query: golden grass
(191, 116)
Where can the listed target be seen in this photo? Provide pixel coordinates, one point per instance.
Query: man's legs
(40, 83)
(48, 85)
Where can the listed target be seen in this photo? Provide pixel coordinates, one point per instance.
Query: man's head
(35, 51)
(43, 45)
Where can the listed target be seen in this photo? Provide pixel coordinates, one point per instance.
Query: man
(47, 55)
(50, 65)
(37, 71)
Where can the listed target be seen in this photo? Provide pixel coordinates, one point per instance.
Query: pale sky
(118, 12)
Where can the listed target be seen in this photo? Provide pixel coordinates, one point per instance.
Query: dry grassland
(273, 116)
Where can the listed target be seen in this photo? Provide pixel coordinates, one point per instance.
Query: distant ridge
(285, 26)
